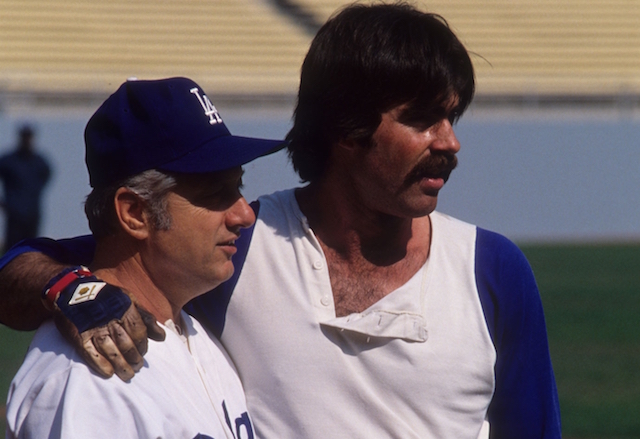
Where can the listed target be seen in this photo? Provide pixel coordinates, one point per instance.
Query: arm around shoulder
(26, 269)
(21, 283)
(110, 332)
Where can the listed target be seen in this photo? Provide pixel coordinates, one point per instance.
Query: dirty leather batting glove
(83, 299)
(103, 323)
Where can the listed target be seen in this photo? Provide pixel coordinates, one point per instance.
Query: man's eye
(222, 198)
(207, 198)
(420, 124)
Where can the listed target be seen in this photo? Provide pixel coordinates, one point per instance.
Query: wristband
(59, 282)
(84, 300)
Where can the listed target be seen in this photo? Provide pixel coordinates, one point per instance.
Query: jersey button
(318, 265)
(325, 300)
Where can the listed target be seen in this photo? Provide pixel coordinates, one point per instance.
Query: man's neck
(127, 271)
(369, 255)
(355, 232)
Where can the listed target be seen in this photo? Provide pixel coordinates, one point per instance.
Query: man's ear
(347, 153)
(347, 145)
(131, 214)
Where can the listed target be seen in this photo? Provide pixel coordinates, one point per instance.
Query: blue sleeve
(76, 251)
(211, 308)
(525, 403)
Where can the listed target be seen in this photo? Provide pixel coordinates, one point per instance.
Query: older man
(165, 212)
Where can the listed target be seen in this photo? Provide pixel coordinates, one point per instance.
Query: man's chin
(426, 206)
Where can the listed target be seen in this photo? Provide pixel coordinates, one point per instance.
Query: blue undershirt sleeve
(525, 403)
(76, 251)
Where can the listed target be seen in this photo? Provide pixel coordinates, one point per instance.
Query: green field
(13, 347)
(591, 296)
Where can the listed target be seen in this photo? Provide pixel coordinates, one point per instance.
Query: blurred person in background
(24, 174)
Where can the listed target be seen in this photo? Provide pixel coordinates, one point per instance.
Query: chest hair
(358, 284)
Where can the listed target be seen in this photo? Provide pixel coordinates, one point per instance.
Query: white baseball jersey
(417, 364)
(188, 388)
(461, 348)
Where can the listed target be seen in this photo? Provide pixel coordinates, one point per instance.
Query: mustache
(434, 166)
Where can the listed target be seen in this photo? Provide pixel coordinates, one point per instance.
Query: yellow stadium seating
(251, 48)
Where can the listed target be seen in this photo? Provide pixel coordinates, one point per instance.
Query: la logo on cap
(207, 106)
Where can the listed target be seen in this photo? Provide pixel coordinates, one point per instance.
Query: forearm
(21, 283)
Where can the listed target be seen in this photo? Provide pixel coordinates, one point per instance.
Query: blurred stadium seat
(231, 47)
(252, 49)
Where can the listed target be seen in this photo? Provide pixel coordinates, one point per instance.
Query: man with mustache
(356, 309)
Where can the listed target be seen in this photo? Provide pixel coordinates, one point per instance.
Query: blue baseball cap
(168, 125)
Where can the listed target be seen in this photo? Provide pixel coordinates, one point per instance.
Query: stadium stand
(580, 50)
(551, 49)
(79, 47)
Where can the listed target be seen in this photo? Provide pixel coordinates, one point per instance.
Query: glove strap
(60, 281)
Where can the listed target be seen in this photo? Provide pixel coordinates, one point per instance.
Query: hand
(105, 325)
(117, 346)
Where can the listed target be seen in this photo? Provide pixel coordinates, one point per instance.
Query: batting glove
(107, 328)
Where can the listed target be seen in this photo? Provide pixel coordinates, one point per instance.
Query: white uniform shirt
(187, 388)
(417, 364)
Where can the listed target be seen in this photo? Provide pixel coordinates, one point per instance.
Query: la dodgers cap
(168, 125)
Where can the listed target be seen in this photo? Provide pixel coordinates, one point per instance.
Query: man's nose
(446, 140)
(240, 214)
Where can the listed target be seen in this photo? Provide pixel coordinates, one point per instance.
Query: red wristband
(51, 294)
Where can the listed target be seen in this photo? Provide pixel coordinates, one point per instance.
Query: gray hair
(151, 186)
